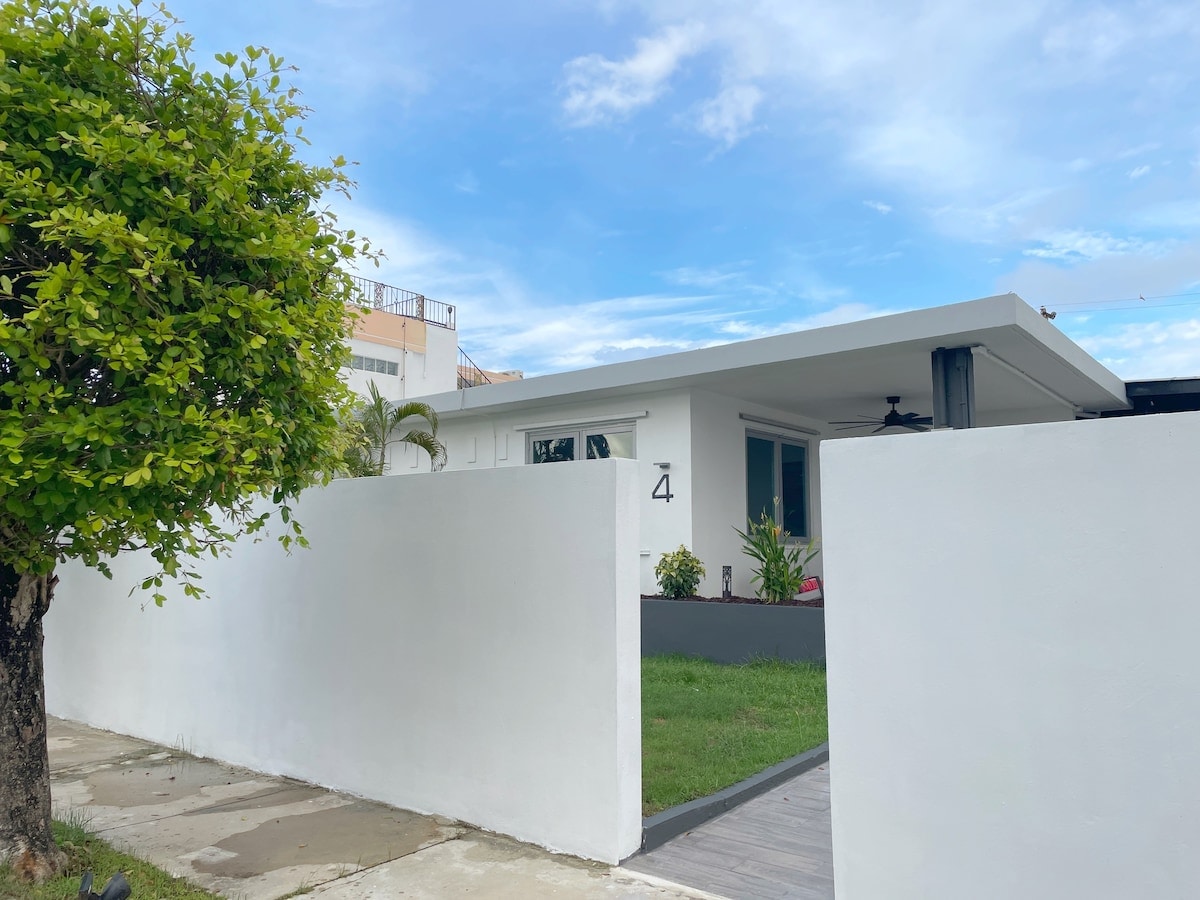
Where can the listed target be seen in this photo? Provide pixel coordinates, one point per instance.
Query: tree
(376, 419)
(172, 324)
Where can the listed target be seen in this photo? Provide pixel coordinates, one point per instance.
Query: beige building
(408, 345)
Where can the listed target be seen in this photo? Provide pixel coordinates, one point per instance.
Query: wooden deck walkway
(774, 847)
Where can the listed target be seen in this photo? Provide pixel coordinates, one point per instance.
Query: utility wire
(1140, 301)
(1140, 297)
(1079, 312)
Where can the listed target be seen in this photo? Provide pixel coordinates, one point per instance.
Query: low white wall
(1011, 637)
(465, 643)
(660, 422)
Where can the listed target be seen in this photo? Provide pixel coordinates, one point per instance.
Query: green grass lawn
(87, 852)
(706, 726)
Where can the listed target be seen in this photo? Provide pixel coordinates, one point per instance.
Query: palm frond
(410, 408)
(377, 418)
(430, 444)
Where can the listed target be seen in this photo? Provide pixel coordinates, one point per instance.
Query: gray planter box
(732, 632)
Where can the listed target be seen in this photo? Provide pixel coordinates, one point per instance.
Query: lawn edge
(661, 827)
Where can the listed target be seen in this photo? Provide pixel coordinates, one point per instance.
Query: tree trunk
(26, 841)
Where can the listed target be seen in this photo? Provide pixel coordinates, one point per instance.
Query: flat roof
(824, 372)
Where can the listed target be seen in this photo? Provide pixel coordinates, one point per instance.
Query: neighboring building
(726, 432)
(408, 345)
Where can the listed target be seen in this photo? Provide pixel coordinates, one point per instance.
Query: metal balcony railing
(469, 374)
(376, 295)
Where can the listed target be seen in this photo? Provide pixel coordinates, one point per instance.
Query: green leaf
(174, 325)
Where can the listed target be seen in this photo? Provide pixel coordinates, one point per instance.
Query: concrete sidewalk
(258, 837)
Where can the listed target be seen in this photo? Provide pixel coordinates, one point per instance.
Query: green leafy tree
(376, 420)
(172, 324)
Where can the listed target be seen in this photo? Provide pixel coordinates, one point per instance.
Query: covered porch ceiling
(1023, 366)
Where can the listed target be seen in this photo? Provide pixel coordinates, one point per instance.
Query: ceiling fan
(910, 420)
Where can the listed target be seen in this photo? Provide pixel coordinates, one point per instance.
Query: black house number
(662, 490)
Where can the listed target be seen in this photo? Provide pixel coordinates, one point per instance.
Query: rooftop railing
(376, 295)
(469, 374)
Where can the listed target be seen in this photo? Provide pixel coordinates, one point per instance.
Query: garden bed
(734, 632)
(815, 603)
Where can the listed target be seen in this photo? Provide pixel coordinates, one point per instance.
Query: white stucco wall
(1011, 636)
(430, 369)
(661, 423)
(390, 386)
(440, 370)
(416, 654)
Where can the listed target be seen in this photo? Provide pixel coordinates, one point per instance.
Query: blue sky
(592, 182)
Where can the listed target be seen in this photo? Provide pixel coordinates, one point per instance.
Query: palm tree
(376, 418)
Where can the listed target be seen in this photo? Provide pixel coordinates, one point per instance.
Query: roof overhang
(1023, 364)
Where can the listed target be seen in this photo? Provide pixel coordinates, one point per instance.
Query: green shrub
(679, 573)
(780, 568)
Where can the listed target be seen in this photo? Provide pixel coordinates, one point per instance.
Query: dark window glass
(616, 444)
(760, 478)
(793, 489)
(554, 450)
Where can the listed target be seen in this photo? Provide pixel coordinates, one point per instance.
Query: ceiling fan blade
(863, 420)
(880, 428)
(922, 420)
(912, 427)
(855, 425)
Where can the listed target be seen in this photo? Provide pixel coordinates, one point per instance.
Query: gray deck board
(774, 847)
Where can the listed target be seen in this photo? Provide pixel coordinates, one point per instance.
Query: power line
(1079, 312)
(1139, 299)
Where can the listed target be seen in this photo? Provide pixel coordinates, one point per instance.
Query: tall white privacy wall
(1012, 624)
(465, 643)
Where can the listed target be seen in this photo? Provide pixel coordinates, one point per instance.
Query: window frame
(778, 440)
(580, 433)
(372, 365)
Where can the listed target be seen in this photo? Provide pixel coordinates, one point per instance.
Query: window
(777, 481)
(371, 364)
(596, 442)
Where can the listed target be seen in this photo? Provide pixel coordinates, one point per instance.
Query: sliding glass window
(777, 481)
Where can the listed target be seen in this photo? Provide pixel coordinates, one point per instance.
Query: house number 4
(662, 490)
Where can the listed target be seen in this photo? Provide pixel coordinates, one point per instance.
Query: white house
(726, 432)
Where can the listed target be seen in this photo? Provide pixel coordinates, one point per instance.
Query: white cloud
(1181, 215)
(1139, 172)
(740, 329)
(1106, 276)
(958, 104)
(467, 183)
(1148, 349)
(1075, 245)
(599, 90)
(727, 117)
(1088, 40)
(691, 276)
(1139, 150)
(505, 324)
(882, 208)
